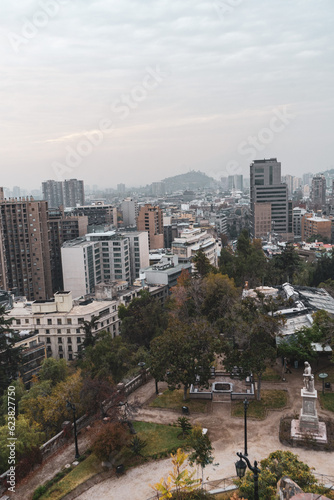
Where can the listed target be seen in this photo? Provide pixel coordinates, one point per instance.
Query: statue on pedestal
(308, 378)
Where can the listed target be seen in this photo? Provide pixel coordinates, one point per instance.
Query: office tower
(73, 193)
(319, 190)
(130, 212)
(266, 187)
(53, 193)
(25, 248)
(16, 191)
(150, 219)
(224, 183)
(235, 182)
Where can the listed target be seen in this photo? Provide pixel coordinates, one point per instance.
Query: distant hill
(191, 180)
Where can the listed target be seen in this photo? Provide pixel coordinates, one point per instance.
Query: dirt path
(226, 434)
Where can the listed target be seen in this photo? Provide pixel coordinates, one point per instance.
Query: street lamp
(240, 468)
(246, 404)
(71, 406)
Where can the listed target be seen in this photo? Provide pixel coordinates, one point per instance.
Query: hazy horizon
(135, 92)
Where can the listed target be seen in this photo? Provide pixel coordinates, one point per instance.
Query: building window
(60, 356)
(78, 330)
(78, 340)
(59, 330)
(60, 340)
(49, 321)
(47, 331)
(26, 321)
(59, 321)
(60, 348)
(18, 321)
(48, 341)
(68, 330)
(70, 357)
(38, 321)
(69, 348)
(69, 340)
(69, 321)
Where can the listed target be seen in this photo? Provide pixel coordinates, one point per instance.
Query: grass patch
(271, 375)
(327, 400)
(161, 439)
(270, 399)
(174, 401)
(78, 475)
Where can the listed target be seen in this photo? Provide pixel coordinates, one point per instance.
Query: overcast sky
(134, 91)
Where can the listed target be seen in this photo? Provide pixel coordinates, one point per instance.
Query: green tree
(10, 356)
(186, 350)
(88, 327)
(252, 346)
(19, 391)
(202, 448)
(142, 320)
(185, 425)
(277, 465)
(219, 295)
(286, 265)
(137, 445)
(202, 264)
(27, 436)
(55, 370)
(108, 357)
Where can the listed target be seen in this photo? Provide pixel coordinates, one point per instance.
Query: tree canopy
(184, 351)
(142, 320)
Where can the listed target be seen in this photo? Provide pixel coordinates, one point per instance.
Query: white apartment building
(58, 321)
(191, 241)
(101, 258)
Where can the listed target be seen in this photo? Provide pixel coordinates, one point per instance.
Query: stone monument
(308, 424)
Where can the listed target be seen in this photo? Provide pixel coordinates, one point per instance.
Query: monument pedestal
(308, 425)
(308, 418)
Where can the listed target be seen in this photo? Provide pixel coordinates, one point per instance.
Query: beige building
(150, 219)
(311, 225)
(58, 321)
(262, 219)
(191, 241)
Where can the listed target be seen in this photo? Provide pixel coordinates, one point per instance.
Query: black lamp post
(240, 467)
(71, 406)
(246, 404)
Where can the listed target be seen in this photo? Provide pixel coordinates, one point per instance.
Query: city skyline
(134, 92)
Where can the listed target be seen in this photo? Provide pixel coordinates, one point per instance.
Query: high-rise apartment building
(73, 193)
(319, 190)
(235, 182)
(25, 256)
(102, 258)
(53, 193)
(266, 187)
(130, 212)
(150, 219)
(69, 193)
